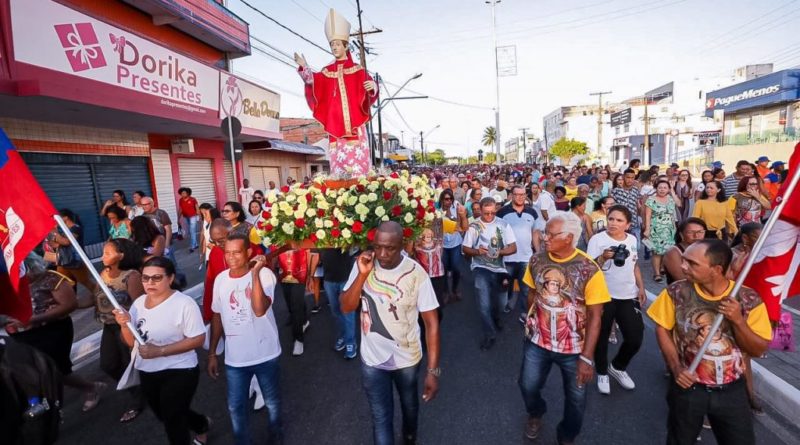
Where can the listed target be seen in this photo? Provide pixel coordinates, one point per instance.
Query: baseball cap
(762, 159)
(717, 164)
(777, 164)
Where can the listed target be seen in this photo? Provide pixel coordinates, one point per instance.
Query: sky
(565, 50)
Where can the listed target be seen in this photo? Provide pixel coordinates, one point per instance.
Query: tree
(435, 157)
(472, 160)
(565, 149)
(489, 136)
(491, 158)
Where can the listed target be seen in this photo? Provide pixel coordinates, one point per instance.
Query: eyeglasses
(547, 235)
(696, 232)
(153, 278)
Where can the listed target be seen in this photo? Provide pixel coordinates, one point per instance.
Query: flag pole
(751, 259)
(95, 275)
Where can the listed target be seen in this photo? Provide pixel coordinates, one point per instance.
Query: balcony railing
(205, 20)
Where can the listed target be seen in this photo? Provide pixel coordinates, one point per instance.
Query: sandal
(658, 278)
(129, 415)
(93, 396)
(197, 441)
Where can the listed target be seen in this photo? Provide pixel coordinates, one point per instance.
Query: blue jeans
(516, 271)
(267, 374)
(345, 323)
(452, 263)
(487, 286)
(536, 364)
(190, 224)
(377, 383)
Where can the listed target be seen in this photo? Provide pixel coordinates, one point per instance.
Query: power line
(327, 51)
(780, 21)
(439, 99)
(747, 23)
(306, 10)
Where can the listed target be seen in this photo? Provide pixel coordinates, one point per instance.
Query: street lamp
(422, 140)
(392, 97)
(494, 3)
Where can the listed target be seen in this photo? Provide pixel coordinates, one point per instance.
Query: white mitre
(336, 27)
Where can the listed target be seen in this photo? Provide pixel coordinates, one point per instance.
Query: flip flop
(93, 397)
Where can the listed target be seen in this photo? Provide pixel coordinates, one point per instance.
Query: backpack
(27, 373)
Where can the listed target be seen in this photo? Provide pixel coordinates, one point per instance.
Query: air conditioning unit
(183, 145)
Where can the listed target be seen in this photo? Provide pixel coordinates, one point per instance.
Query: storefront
(758, 111)
(276, 160)
(96, 107)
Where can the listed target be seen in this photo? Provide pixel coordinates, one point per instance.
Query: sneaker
(339, 346)
(532, 427)
(603, 384)
(523, 317)
(305, 326)
(298, 348)
(350, 352)
(621, 377)
(316, 309)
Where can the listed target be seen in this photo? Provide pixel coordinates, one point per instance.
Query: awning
(399, 158)
(285, 146)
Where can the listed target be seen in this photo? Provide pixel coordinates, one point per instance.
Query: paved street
(478, 403)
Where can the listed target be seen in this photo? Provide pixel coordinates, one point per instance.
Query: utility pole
(496, 80)
(422, 147)
(524, 144)
(362, 54)
(599, 95)
(646, 130)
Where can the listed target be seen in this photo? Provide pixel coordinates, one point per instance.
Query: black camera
(621, 253)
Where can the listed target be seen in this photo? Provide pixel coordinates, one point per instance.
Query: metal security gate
(260, 177)
(82, 183)
(165, 190)
(198, 175)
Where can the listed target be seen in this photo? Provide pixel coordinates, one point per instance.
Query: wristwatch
(436, 372)
(586, 360)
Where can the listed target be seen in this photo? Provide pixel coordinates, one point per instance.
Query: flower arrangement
(347, 214)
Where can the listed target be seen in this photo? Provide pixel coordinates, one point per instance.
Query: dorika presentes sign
(256, 107)
(50, 35)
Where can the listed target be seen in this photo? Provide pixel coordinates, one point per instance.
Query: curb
(772, 389)
(87, 350)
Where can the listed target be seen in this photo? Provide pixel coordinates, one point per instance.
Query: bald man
(394, 291)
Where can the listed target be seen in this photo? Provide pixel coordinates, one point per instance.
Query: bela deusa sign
(256, 107)
(52, 36)
(715, 102)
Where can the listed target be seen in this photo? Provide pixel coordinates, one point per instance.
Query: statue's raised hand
(300, 60)
(370, 86)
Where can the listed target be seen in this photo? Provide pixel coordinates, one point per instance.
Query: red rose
(336, 233)
(410, 191)
(407, 232)
(266, 215)
(360, 188)
(268, 227)
(420, 213)
(323, 189)
(300, 223)
(387, 196)
(397, 210)
(358, 227)
(336, 222)
(320, 213)
(394, 175)
(371, 234)
(308, 197)
(260, 225)
(313, 237)
(285, 189)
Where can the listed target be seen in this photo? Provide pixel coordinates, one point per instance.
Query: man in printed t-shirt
(394, 291)
(566, 297)
(487, 241)
(684, 313)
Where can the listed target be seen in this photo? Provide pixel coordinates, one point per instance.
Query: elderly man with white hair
(566, 294)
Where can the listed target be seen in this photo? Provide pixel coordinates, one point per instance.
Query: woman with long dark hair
(751, 201)
(714, 209)
(146, 235)
(68, 262)
(119, 224)
(118, 199)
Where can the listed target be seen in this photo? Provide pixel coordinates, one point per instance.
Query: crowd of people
(563, 249)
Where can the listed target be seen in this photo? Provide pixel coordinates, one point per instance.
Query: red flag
(774, 274)
(26, 213)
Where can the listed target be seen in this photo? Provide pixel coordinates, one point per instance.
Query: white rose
(349, 221)
(372, 186)
(385, 218)
(320, 234)
(351, 201)
(363, 199)
(362, 210)
(346, 233)
(372, 197)
(298, 214)
(403, 194)
(340, 201)
(310, 213)
(287, 228)
(429, 217)
(271, 198)
(380, 211)
(323, 205)
(290, 197)
(409, 218)
(274, 221)
(318, 223)
(327, 224)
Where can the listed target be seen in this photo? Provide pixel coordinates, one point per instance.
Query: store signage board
(256, 107)
(50, 35)
(507, 60)
(621, 117)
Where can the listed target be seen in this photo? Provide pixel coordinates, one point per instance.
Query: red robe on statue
(338, 99)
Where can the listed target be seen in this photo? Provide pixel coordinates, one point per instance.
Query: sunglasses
(153, 278)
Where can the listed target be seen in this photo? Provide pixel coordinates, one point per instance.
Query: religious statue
(340, 97)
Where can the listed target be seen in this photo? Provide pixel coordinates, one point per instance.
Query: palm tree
(489, 136)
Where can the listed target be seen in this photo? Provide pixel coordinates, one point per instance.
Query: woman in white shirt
(172, 327)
